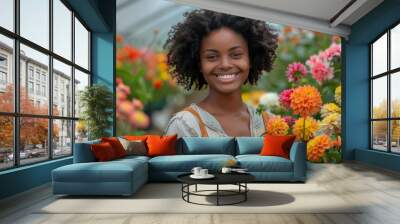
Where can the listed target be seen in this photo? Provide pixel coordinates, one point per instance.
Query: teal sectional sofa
(125, 176)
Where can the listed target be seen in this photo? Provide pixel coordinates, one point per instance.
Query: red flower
(157, 84)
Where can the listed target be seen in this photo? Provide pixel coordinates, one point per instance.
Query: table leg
(245, 193)
(217, 194)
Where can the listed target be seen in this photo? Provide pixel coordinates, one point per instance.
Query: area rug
(167, 198)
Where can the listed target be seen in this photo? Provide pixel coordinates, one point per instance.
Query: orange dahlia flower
(304, 129)
(305, 101)
(317, 146)
(277, 126)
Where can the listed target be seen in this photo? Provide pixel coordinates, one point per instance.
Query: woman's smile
(227, 77)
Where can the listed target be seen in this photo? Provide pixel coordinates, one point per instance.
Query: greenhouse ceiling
(139, 20)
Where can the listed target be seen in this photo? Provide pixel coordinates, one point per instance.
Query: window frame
(388, 74)
(16, 114)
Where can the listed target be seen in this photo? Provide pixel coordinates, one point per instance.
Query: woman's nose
(225, 62)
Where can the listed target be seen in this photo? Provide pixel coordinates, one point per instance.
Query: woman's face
(224, 60)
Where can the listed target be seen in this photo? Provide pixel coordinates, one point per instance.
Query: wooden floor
(377, 188)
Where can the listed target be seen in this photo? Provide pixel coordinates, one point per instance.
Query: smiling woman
(222, 52)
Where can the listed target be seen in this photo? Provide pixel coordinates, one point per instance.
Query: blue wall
(356, 85)
(100, 16)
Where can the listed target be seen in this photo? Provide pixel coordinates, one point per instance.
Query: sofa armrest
(83, 152)
(298, 154)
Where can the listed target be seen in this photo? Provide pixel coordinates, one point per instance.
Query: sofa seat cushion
(257, 163)
(185, 163)
(111, 171)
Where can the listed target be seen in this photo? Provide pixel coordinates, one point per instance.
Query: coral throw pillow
(103, 152)
(277, 145)
(135, 137)
(116, 145)
(161, 145)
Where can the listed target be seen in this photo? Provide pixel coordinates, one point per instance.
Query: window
(30, 72)
(3, 71)
(3, 78)
(54, 125)
(30, 87)
(385, 97)
(43, 90)
(38, 89)
(3, 61)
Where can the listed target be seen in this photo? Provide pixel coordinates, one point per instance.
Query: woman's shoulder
(183, 123)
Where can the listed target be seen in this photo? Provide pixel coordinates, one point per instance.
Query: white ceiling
(136, 19)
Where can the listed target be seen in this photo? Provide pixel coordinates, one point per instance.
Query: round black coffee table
(238, 179)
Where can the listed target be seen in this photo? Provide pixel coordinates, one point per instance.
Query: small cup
(226, 170)
(196, 170)
(203, 172)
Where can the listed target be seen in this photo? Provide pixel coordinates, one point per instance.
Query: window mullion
(73, 83)
(50, 81)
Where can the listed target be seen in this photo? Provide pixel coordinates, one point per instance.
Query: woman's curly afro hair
(184, 40)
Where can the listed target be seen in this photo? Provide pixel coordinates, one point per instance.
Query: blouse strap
(203, 129)
(265, 118)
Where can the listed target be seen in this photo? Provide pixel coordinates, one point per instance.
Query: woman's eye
(211, 57)
(237, 55)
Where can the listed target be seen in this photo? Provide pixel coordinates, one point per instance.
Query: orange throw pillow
(277, 145)
(103, 151)
(161, 145)
(135, 137)
(116, 145)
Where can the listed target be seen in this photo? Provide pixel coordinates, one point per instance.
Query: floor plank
(377, 190)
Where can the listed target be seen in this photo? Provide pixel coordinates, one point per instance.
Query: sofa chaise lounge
(125, 176)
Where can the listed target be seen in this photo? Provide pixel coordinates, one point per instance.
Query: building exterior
(35, 80)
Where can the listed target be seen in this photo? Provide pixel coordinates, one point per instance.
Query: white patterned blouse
(186, 123)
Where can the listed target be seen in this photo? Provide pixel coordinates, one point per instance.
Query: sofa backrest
(249, 145)
(83, 152)
(209, 145)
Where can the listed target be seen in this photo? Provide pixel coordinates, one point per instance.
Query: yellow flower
(331, 124)
(338, 94)
(305, 101)
(329, 108)
(317, 147)
(305, 132)
(252, 98)
(277, 126)
(230, 163)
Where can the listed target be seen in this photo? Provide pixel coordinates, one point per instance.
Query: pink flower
(289, 120)
(284, 98)
(333, 51)
(321, 71)
(295, 71)
(320, 68)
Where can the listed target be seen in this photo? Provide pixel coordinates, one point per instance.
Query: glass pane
(395, 47)
(6, 142)
(6, 74)
(81, 131)
(395, 136)
(62, 89)
(81, 45)
(395, 94)
(81, 81)
(33, 139)
(35, 21)
(379, 97)
(379, 55)
(7, 14)
(62, 138)
(34, 92)
(62, 29)
(379, 135)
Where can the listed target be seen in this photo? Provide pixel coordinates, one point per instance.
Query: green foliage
(97, 104)
(332, 156)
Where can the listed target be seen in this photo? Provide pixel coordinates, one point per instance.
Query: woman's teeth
(227, 77)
